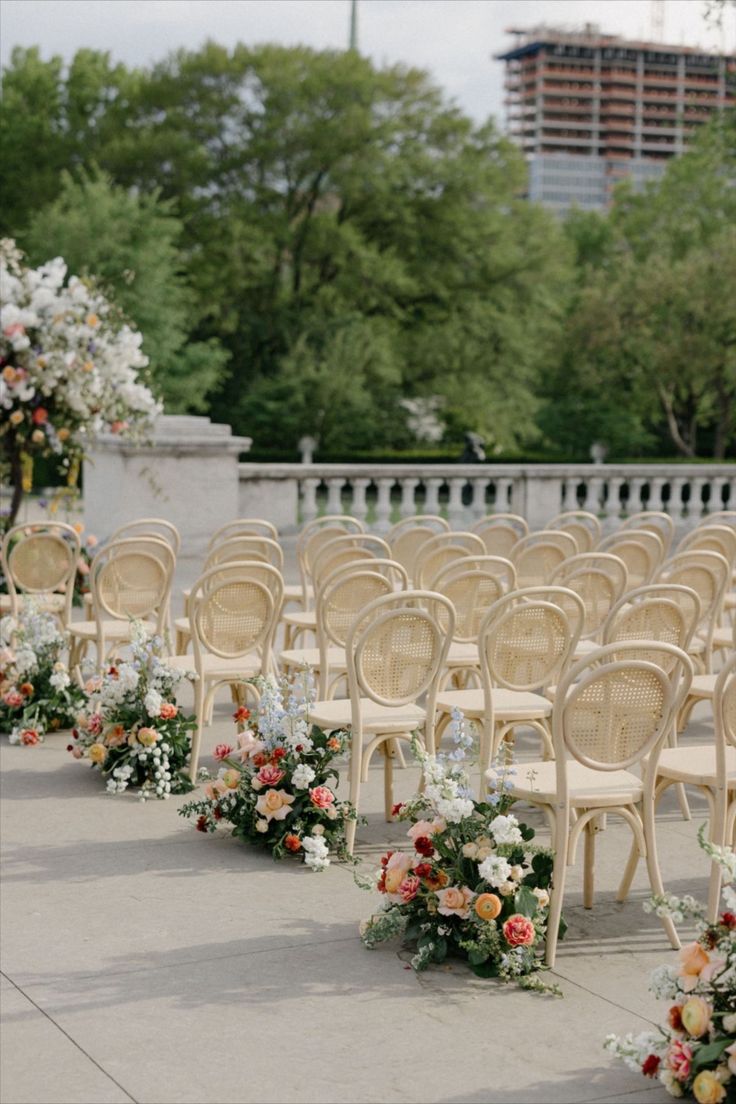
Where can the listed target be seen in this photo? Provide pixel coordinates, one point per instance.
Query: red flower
(423, 870)
(201, 824)
(292, 843)
(112, 671)
(674, 1017)
(650, 1065)
(26, 689)
(729, 920)
(396, 809)
(241, 714)
(260, 759)
(29, 737)
(424, 846)
(278, 753)
(40, 416)
(217, 812)
(386, 857)
(299, 747)
(381, 883)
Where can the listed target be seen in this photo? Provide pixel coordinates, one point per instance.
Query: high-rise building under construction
(589, 109)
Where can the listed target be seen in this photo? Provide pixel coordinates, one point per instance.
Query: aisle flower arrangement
(69, 367)
(694, 1052)
(130, 727)
(474, 885)
(276, 781)
(37, 694)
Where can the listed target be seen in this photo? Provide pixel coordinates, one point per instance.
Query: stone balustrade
(290, 494)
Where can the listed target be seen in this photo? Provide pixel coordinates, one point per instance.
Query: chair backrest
(312, 538)
(342, 598)
(407, 536)
(500, 532)
(526, 638)
(583, 527)
(345, 549)
(646, 613)
(502, 568)
(538, 556)
(263, 572)
(246, 548)
(233, 617)
(149, 527)
(655, 521)
(396, 650)
(724, 714)
(392, 570)
(40, 559)
(600, 579)
(244, 527)
(711, 538)
(131, 578)
(443, 549)
(472, 591)
(720, 517)
(612, 712)
(709, 576)
(641, 550)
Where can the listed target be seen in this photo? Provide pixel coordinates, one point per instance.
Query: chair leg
(629, 871)
(718, 837)
(199, 703)
(655, 877)
(589, 864)
(562, 822)
(355, 769)
(389, 752)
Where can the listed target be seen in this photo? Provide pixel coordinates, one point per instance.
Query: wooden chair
(600, 579)
(708, 574)
(409, 535)
(611, 714)
(472, 584)
(656, 521)
(150, 527)
(39, 563)
(396, 650)
(311, 537)
(642, 550)
(444, 549)
(500, 532)
(244, 527)
(537, 557)
(583, 527)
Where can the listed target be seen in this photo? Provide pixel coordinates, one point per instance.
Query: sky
(454, 39)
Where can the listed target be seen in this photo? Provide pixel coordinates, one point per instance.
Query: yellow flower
(147, 736)
(92, 320)
(98, 753)
(695, 1014)
(63, 433)
(16, 418)
(707, 1089)
(88, 366)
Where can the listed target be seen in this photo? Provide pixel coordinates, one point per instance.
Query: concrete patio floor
(144, 961)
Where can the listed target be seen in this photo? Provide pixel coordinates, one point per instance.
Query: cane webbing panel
(614, 720)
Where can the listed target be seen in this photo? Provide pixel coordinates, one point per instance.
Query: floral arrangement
(69, 367)
(276, 783)
(473, 885)
(88, 547)
(694, 1053)
(130, 727)
(36, 693)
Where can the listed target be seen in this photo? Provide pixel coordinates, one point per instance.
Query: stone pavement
(144, 961)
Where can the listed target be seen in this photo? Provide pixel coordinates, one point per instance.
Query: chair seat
(376, 718)
(729, 602)
(462, 655)
(583, 648)
(112, 629)
(182, 625)
(309, 657)
(293, 592)
(702, 686)
(218, 666)
(723, 638)
(696, 765)
(537, 783)
(302, 619)
(508, 705)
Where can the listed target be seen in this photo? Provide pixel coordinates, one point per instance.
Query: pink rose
(214, 790)
(269, 775)
(409, 888)
(29, 737)
(321, 797)
(94, 725)
(518, 931)
(12, 699)
(426, 828)
(455, 901)
(222, 751)
(168, 711)
(678, 1059)
(77, 753)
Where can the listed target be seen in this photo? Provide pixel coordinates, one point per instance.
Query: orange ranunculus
(488, 906)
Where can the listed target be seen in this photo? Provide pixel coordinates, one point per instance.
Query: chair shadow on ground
(602, 1084)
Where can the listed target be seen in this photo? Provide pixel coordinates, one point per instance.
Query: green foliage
(130, 241)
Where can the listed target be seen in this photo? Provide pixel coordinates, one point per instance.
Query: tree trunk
(684, 446)
(16, 481)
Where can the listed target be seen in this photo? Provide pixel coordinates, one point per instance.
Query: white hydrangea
(316, 852)
(153, 702)
(663, 982)
(302, 777)
(454, 809)
(60, 680)
(495, 870)
(25, 660)
(505, 829)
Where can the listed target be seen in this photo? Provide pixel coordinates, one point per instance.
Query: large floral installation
(694, 1053)
(276, 783)
(69, 367)
(37, 694)
(130, 727)
(474, 885)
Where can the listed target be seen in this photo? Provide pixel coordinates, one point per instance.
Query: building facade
(590, 109)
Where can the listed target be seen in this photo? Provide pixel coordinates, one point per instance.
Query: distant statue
(474, 451)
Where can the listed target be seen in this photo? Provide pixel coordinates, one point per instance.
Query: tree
(129, 242)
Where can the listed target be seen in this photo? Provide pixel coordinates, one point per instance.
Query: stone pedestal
(186, 472)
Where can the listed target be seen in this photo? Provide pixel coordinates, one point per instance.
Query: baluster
(505, 496)
(383, 505)
(594, 494)
(656, 486)
(612, 506)
(334, 496)
(715, 502)
(695, 505)
(479, 498)
(432, 500)
(408, 487)
(360, 505)
(455, 505)
(309, 498)
(674, 505)
(634, 502)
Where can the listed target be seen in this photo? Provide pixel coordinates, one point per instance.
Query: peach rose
(274, 804)
(518, 931)
(695, 1015)
(707, 1089)
(426, 828)
(147, 736)
(116, 736)
(168, 711)
(231, 778)
(215, 790)
(455, 901)
(488, 906)
(397, 868)
(12, 699)
(693, 959)
(98, 753)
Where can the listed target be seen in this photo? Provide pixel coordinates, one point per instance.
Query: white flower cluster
(316, 852)
(505, 829)
(446, 788)
(118, 782)
(66, 349)
(160, 786)
(633, 1049)
(495, 870)
(30, 640)
(286, 724)
(302, 777)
